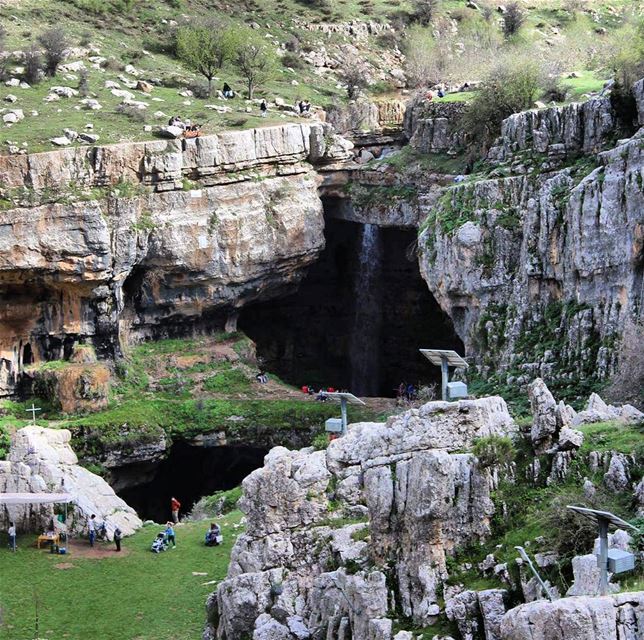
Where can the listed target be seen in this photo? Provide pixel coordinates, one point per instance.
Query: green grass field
(136, 596)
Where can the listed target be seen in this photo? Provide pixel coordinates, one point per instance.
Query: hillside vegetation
(316, 50)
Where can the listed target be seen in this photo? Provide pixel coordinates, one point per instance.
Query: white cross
(33, 410)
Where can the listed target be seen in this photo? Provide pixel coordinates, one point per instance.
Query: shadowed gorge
(188, 473)
(358, 318)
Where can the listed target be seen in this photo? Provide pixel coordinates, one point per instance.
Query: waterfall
(364, 347)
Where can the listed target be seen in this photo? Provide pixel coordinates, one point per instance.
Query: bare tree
(355, 75)
(33, 65)
(54, 42)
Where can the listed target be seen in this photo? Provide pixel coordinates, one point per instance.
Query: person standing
(263, 107)
(175, 505)
(91, 527)
(12, 536)
(118, 534)
(169, 535)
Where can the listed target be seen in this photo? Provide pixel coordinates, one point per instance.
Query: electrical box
(333, 425)
(620, 561)
(456, 390)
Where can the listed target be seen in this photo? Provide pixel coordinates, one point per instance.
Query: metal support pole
(602, 559)
(343, 408)
(526, 558)
(445, 376)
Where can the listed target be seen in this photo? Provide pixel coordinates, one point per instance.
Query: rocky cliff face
(539, 264)
(114, 243)
(305, 567)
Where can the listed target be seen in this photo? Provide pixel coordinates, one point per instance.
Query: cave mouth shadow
(310, 337)
(189, 473)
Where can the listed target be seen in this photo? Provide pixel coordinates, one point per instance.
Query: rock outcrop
(619, 617)
(404, 489)
(108, 244)
(42, 461)
(538, 263)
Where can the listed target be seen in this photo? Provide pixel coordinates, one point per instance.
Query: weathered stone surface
(421, 502)
(548, 240)
(586, 577)
(42, 461)
(598, 411)
(618, 617)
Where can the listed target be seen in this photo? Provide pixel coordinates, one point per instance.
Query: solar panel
(435, 356)
(349, 397)
(596, 516)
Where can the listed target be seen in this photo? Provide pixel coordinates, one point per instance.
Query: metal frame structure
(603, 519)
(344, 398)
(444, 358)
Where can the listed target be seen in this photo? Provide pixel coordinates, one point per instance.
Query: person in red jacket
(175, 505)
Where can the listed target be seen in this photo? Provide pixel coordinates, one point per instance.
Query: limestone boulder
(598, 411)
(41, 460)
(618, 617)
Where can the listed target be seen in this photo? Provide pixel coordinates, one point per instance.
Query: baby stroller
(159, 544)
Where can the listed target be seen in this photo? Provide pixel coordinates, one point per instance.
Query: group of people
(406, 392)
(303, 106)
(165, 539)
(186, 125)
(321, 395)
(261, 377)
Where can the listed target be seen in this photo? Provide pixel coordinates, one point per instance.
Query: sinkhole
(358, 318)
(189, 472)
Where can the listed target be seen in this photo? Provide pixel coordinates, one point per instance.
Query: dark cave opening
(358, 318)
(189, 473)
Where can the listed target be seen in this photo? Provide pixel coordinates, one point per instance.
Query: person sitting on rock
(227, 91)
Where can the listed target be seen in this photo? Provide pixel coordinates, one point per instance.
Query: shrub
(33, 65)
(5, 442)
(424, 11)
(54, 42)
(509, 88)
(320, 441)
(555, 90)
(132, 112)
(293, 61)
(494, 451)
(627, 65)
(354, 76)
(4, 55)
(513, 19)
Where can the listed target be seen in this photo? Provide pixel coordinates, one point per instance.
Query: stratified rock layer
(133, 240)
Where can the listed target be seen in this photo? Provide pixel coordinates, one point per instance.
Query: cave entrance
(358, 318)
(189, 473)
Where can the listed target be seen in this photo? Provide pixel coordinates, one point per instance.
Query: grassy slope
(187, 387)
(141, 595)
(141, 35)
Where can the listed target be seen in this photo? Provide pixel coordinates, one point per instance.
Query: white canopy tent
(16, 499)
(35, 498)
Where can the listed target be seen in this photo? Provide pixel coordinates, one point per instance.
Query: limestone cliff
(539, 262)
(107, 244)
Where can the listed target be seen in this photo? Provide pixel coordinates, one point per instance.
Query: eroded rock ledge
(117, 243)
